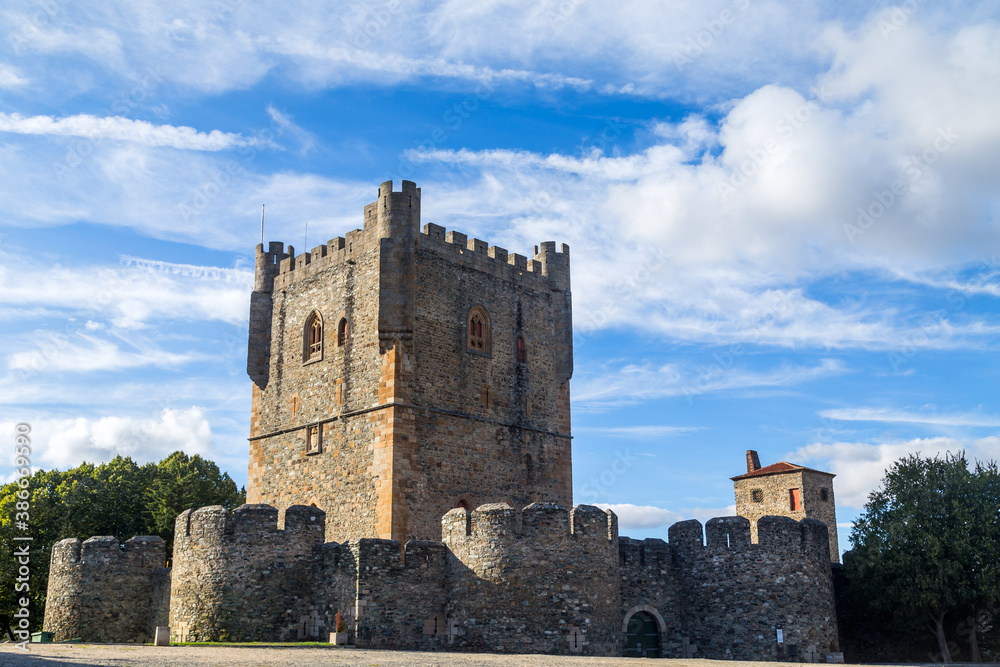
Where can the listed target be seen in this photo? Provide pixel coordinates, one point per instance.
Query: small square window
(757, 495)
(823, 495)
(314, 439)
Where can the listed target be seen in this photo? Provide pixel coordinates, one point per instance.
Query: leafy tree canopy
(119, 498)
(927, 545)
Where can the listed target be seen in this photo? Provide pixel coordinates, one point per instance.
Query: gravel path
(69, 655)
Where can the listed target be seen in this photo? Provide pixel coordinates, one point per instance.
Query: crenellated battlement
(776, 534)
(548, 268)
(397, 215)
(538, 522)
(250, 523)
(147, 551)
(560, 579)
(717, 574)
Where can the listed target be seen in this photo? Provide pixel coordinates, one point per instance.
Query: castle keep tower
(786, 489)
(399, 373)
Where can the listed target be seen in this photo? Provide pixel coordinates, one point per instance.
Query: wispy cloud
(891, 415)
(10, 77)
(860, 466)
(633, 383)
(638, 432)
(118, 128)
(56, 353)
(132, 293)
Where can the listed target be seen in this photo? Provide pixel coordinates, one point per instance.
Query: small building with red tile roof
(786, 489)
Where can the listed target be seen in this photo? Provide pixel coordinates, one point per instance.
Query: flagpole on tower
(262, 224)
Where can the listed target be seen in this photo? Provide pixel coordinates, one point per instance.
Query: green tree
(926, 545)
(119, 498)
(182, 482)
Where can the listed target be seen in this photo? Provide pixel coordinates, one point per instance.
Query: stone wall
(649, 582)
(107, 592)
(734, 594)
(240, 578)
(401, 592)
(544, 582)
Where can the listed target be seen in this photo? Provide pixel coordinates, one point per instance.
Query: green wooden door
(642, 639)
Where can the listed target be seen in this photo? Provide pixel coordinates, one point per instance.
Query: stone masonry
(107, 592)
(545, 579)
(769, 492)
(413, 422)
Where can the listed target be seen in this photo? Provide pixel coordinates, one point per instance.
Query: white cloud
(131, 294)
(54, 352)
(631, 382)
(63, 443)
(891, 415)
(644, 517)
(717, 231)
(860, 467)
(10, 77)
(637, 432)
(118, 128)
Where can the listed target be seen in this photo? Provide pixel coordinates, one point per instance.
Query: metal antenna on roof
(262, 224)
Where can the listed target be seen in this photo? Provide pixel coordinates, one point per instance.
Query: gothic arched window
(312, 338)
(342, 332)
(479, 330)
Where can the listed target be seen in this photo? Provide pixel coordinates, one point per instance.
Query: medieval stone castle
(410, 397)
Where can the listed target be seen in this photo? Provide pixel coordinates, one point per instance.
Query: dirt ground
(68, 655)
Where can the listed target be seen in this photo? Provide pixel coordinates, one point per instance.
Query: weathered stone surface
(106, 591)
(413, 423)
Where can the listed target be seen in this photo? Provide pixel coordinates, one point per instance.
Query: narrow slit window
(522, 351)
(342, 332)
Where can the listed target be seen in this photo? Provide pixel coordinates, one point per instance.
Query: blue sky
(783, 218)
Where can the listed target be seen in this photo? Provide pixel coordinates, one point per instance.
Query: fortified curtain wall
(546, 579)
(727, 595)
